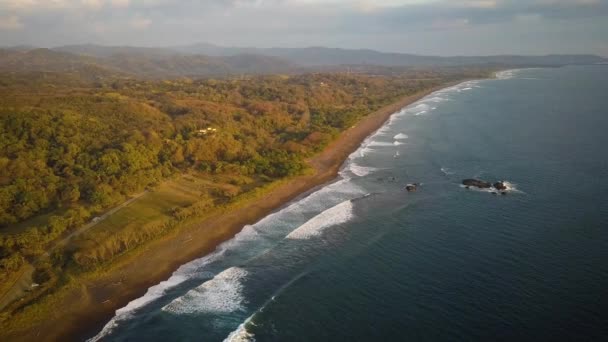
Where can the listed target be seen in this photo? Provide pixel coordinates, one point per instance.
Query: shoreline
(86, 308)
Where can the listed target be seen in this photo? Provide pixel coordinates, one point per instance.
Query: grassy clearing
(158, 206)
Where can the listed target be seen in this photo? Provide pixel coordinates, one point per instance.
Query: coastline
(86, 308)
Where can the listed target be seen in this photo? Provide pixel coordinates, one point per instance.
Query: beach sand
(84, 310)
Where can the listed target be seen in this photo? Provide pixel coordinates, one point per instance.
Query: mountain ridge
(209, 60)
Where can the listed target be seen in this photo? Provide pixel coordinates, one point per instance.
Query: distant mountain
(94, 60)
(27, 60)
(207, 60)
(322, 56)
(196, 65)
(101, 51)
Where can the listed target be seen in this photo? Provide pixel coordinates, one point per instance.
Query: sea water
(361, 259)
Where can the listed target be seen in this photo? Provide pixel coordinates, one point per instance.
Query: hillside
(46, 60)
(207, 60)
(323, 56)
(93, 62)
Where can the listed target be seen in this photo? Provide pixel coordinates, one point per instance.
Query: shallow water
(361, 259)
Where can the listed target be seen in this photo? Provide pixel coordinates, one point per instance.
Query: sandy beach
(85, 309)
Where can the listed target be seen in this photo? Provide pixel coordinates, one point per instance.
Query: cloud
(384, 24)
(93, 4)
(140, 23)
(12, 22)
(120, 3)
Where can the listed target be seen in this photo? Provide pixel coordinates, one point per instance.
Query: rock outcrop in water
(411, 187)
(477, 183)
(497, 186)
(500, 186)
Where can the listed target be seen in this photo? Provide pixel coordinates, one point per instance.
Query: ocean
(361, 259)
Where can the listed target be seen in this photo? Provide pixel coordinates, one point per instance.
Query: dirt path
(88, 308)
(95, 221)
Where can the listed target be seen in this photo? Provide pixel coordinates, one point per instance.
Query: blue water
(363, 260)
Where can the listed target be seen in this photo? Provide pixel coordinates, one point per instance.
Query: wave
(221, 294)
(338, 214)
(436, 99)
(359, 170)
(397, 143)
(421, 108)
(241, 334)
(124, 313)
(446, 171)
(507, 74)
(379, 144)
(184, 273)
(382, 130)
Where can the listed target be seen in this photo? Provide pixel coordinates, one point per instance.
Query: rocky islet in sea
(481, 184)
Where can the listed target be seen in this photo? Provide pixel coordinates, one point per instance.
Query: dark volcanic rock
(411, 187)
(500, 186)
(477, 183)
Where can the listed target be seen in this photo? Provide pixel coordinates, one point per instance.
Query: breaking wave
(379, 144)
(359, 170)
(338, 214)
(400, 136)
(507, 74)
(241, 334)
(221, 294)
(155, 292)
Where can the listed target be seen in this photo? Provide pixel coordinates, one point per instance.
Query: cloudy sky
(442, 27)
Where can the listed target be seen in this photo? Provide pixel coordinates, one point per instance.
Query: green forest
(72, 148)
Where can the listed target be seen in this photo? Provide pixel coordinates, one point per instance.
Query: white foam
(364, 151)
(511, 187)
(359, 170)
(420, 109)
(241, 334)
(507, 74)
(400, 136)
(446, 171)
(157, 291)
(397, 143)
(338, 214)
(222, 294)
(379, 144)
(382, 130)
(436, 99)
